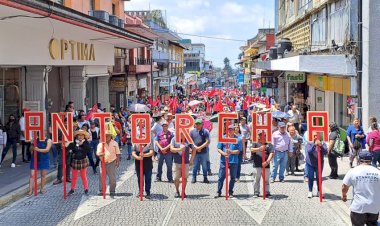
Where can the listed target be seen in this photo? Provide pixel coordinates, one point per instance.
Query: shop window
(10, 93)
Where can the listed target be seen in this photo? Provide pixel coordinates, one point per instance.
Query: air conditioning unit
(114, 20)
(121, 23)
(100, 14)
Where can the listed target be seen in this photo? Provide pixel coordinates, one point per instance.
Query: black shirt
(257, 156)
(148, 163)
(79, 152)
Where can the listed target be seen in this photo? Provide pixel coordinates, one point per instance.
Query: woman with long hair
(43, 162)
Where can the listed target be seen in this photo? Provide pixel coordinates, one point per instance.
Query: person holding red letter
(232, 152)
(79, 162)
(111, 156)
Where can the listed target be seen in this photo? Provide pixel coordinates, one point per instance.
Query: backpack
(339, 147)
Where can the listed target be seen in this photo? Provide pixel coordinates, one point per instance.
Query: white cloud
(188, 25)
(192, 4)
(232, 8)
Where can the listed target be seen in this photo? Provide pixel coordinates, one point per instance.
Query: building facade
(323, 36)
(63, 56)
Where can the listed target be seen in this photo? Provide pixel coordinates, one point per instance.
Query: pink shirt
(375, 135)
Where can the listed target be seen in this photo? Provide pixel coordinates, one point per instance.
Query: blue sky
(217, 18)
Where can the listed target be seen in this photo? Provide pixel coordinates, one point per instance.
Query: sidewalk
(14, 181)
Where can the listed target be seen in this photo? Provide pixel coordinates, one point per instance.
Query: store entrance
(10, 93)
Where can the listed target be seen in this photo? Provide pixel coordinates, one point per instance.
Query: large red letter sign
(135, 119)
(102, 124)
(221, 126)
(34, 121)
(57, 122)
(262, 126)
(313, 123)
(183, 124)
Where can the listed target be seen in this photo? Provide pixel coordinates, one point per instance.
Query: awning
(320, 64)
(250, 51)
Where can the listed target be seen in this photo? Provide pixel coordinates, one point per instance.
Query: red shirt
(118, 126)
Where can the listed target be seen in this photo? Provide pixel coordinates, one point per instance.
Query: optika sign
(60, 48)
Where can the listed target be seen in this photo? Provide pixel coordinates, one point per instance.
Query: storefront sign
(78, 50)
(295, 77)
(117, 83)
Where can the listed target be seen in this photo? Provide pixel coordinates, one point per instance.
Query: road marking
(170, 212)
(89, 204)
(256, 208)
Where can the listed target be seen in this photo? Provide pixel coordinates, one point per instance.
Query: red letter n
(58, 123)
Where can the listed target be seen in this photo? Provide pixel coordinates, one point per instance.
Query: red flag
(244, 105)
(91, 112)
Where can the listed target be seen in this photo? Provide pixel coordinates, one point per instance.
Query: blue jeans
(280, 160)
(10, 142)
(239, 165)
(148, 180)
(375, 158)
(222, 176)
(129, 149)
(208, 160)
(94, 147)
(312, 171)
(305, 171)
(168, 158)
(200, 159)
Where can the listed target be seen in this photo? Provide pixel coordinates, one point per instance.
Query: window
(339, 26)
(113, 9)
(318, 30)
(304, 5)
(92, 4)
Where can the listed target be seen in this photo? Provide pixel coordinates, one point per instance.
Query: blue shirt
(352, 131)
(232, 159)
(200, 137)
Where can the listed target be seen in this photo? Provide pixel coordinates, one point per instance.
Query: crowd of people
(289, 148)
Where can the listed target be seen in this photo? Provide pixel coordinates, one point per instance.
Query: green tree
(228, 67)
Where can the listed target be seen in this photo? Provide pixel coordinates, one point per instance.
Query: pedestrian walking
(3, 139)
(25, 145)
(178, 150)
(43, 163)
(147, 155)
(201, 139)
(333, 154)
(162, 142)
(79, 162)
(311, 151)
(111, 157)
(356, 140)
(365, 181)
(232, 152)
(12, 129)
(373, 141)
(295, 117)
(292, 163)
(258, 164)
(283, 147)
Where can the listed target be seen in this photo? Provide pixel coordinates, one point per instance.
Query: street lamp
(151, 72)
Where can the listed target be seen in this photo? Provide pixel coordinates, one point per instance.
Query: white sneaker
(13, 165)
(310, 195)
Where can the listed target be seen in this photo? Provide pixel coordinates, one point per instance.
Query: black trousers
(333, 162)
(25, 146)
(60, 163)
(361, 219)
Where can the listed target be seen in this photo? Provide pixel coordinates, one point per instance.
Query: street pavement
(288, 206)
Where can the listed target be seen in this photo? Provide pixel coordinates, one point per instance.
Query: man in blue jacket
(233, 159)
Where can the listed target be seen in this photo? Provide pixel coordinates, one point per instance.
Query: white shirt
(294, 116)
(21, 122)
(365, 180)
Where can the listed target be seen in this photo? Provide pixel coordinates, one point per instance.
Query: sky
(238, 20)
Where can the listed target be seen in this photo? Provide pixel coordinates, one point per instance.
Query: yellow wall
(334, 84)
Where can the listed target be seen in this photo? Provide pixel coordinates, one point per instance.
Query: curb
(22, 191)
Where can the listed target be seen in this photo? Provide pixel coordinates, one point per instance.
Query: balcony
(159, 56)
(142, 61)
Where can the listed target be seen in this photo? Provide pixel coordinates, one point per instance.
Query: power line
(210, 37)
